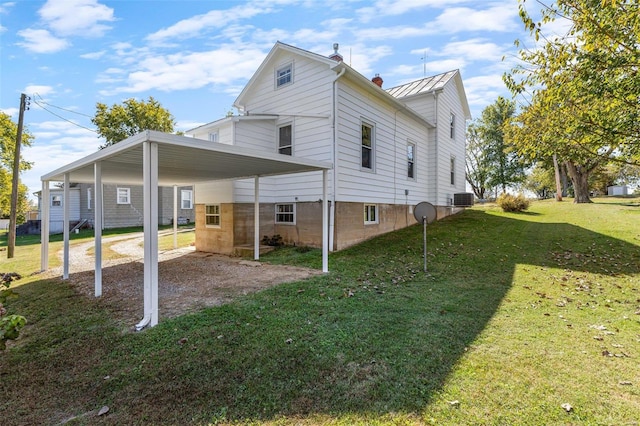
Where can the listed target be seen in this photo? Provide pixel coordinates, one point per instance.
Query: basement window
(212, 215)
(286, 213)
(370, 214)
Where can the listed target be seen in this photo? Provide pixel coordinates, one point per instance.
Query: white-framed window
(370, 214)
(411, 160)
(368, 146)
(452, 126)
(212, 215)
(186, 199)
(453, 170)
(286, 213)
(284, 75)
(56, 201)
(285, 139)
(123, 195)
(214, 136)
(89, 199)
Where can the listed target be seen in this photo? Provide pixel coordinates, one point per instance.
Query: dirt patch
(187, 280)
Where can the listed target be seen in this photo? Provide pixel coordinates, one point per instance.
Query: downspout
(437, 159)
(334, 160)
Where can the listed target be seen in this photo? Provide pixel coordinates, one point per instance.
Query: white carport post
(44, 226)
(256, 218)
(325, 224)
(97, 226)
(175, 216)
(65, 227)
(150, 194)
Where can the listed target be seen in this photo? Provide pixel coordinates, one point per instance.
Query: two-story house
(390, 149)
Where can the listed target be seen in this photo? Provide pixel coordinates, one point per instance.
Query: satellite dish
(424, 210)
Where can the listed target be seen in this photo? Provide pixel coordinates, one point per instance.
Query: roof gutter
(334, 157)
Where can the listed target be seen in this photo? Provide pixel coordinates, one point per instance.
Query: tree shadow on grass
(375, 336)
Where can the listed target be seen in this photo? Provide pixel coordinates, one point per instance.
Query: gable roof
(332, 64)
(277, 47)
(431, 84)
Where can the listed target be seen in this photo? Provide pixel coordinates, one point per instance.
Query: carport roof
(181, 161)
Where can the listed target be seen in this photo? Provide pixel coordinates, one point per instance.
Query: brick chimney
(378, 80)
(335, 55)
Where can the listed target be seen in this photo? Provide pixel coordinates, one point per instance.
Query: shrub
(511, 203)
(10, 325)
(274, 241)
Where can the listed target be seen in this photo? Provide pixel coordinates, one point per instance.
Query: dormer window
(284, 75)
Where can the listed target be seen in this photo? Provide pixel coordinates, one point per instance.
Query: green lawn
(518, 315)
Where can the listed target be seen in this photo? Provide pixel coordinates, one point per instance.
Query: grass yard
(526, 319)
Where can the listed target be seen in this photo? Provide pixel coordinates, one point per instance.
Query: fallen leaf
(455, 404)
(625, 383)
(288, 341)
(567, 407)
(104, 410)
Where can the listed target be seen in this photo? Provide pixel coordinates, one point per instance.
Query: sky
(195, 56)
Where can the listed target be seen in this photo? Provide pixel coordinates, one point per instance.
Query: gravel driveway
(187, 280)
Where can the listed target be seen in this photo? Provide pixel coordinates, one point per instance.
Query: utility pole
(11, 244)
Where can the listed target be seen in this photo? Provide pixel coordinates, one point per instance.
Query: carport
(153, 159)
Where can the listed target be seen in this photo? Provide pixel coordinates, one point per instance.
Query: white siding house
(122, 206)
(56, 208)
(390, 149)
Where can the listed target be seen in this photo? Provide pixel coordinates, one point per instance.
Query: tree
(8, 132)
(476, 164)
(491, 162)
(130, 118)
(507, 167)
(581, 88)
(541, 181)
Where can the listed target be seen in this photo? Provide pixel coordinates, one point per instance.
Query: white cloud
(497, 18)
(363, 58)
(10, 111)
(383, 8)
(483, 90)
(94, 55)
(4, 7)
(39, 89)
(199, 24)
(41, 41)
(167, 73)
(56, 143)
(475, 50)
(76, 17)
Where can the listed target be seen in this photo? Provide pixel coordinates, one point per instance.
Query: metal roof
(181, 161)
(424, 85)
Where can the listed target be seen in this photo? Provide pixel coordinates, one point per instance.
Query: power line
(64, 109)
(65, 119)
